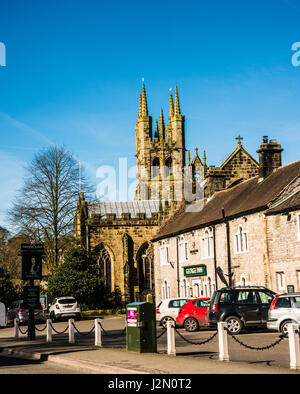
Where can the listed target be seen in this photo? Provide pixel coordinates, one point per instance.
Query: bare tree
(46, 204)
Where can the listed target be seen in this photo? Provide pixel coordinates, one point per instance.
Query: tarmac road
(113, 337)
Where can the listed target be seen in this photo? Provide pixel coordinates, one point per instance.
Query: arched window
(166, 290)
(207, 244)
(145, 268)
(168, 167)
(105, 266)
(155, 167)
(183, 250)
(241, 241)
(209, 287)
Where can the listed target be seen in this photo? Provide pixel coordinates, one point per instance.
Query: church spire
(204, 158)
(140, 106)
(144, 102)
(161, 126)
(189, 159)
(171, 110)
(156, 134)
(177, 105)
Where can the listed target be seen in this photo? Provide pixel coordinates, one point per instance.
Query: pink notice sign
(131, 317)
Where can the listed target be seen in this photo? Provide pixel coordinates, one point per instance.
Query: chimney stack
(269, 157)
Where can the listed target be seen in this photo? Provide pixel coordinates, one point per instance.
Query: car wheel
(284, 328)
(234, 324)
(191, 324)
(165, 319)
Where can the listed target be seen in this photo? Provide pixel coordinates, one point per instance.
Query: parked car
(240, 307)
(64, 307)
(168, 309)
(284, 309)
(192, 315)
(18, 310)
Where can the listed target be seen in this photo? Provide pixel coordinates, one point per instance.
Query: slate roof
(247, 197)
(290, 203)
(133, 207)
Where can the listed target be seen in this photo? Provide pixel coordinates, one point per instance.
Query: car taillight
(56, 306)
(157, 310)
(21, 310)
(272, 307)
(213, 308)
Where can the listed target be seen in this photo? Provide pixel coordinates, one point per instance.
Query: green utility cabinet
(141, 327)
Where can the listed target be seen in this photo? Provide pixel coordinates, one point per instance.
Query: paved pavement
(107, 360)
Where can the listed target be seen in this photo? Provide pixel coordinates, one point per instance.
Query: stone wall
(110, 233)
(284, 249)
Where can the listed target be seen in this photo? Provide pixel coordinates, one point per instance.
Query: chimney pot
(269, 157)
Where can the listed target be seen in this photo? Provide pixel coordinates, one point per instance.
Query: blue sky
(74, 70)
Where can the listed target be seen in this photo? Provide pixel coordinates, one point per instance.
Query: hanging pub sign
(32, 261)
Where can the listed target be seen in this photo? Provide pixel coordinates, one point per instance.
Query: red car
(192, 315)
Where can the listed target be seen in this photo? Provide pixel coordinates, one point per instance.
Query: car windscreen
(67, 301)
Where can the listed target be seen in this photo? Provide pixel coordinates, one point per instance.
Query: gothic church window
(105, 266)
(168, 167)
(155, 167)
(241, 241)
(207, 243)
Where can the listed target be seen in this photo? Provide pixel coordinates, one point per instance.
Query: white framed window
(185, 290)
(209, 287)
(196, 288)
(164, 255)
(280, 280)
(241, 241)
(207, 244)
(165, 290)
(183, 250)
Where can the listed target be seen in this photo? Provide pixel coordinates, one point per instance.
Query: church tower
(160, 153)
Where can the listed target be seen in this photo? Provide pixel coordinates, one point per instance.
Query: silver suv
(64, 307)
(285, 309)
(17, 310)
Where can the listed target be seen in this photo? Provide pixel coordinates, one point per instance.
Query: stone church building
(121, 232)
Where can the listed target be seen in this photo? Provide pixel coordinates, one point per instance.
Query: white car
(168, 309)
(64, 307)
(285, 309)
